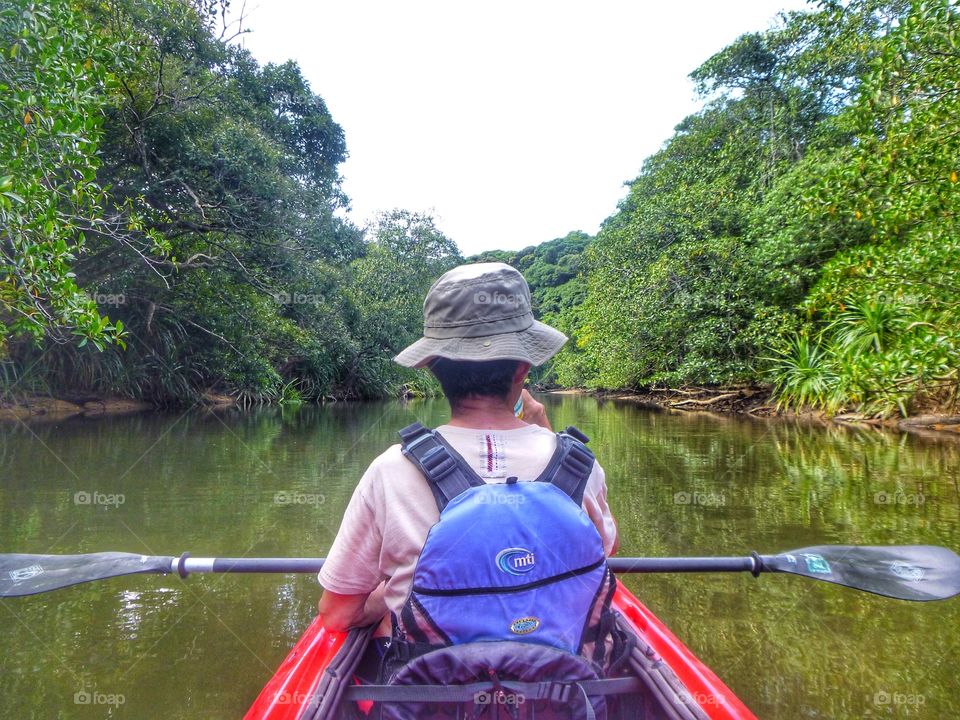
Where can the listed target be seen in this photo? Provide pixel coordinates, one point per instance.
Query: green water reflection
(276, 483)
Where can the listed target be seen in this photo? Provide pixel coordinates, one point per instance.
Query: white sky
(512, 122)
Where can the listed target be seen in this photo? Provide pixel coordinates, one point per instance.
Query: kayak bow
(675, 677)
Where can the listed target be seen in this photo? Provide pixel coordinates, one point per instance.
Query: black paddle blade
(904, 572)
(31, 574)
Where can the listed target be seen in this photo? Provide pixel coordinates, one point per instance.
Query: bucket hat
(481, 312)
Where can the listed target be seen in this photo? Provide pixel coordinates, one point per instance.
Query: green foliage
(422, 385)
(152, 170)
(289, 395)
(54, 69)
(803, 375)
(220, 246)
(815, 196)
(405, 254)
(553, 270)
(867, 327)
(890, 297)
(897, 347)
(671, 297)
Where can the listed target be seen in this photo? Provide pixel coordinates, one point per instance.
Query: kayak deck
(678, 684)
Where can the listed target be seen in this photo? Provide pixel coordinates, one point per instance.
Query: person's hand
(533, 411)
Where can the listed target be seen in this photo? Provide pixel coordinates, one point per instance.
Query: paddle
(904, 572)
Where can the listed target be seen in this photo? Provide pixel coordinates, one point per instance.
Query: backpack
(511, 588)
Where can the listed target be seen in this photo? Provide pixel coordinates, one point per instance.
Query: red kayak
(675, 685)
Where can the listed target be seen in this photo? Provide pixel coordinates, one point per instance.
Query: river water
(275, 483)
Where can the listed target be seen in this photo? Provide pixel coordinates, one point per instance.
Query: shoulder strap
(571, 464)
(447, 473)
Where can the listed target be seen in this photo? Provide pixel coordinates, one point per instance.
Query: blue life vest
(508, 561)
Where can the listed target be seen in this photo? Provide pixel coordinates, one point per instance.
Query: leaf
(28, 118)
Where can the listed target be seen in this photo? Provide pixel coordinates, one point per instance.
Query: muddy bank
(737, 399)
(757, 401)
(41, 408)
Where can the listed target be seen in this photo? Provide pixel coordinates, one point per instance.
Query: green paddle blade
(904, 572)
(31, 574)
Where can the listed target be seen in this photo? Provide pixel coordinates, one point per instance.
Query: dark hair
(463, 378)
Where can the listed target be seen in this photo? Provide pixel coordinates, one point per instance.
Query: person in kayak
(481, 576)
(480, 341)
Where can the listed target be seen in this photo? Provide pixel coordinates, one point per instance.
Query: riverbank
(757, 401)
(37, 408)
(747, 400)
(46, 408)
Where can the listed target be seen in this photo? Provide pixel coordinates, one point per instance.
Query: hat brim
(535, 345)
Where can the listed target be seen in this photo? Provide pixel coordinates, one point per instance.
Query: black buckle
(411, 431)
(409, 444)
(558, 692)
(438, 463)
(578, 460)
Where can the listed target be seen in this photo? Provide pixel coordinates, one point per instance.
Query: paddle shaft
(685, 564)
(313, 565)
(917, 573)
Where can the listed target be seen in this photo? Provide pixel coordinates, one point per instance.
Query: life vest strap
(448, 474)
(574, 463)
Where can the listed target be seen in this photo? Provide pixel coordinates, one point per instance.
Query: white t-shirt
(392, 509)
